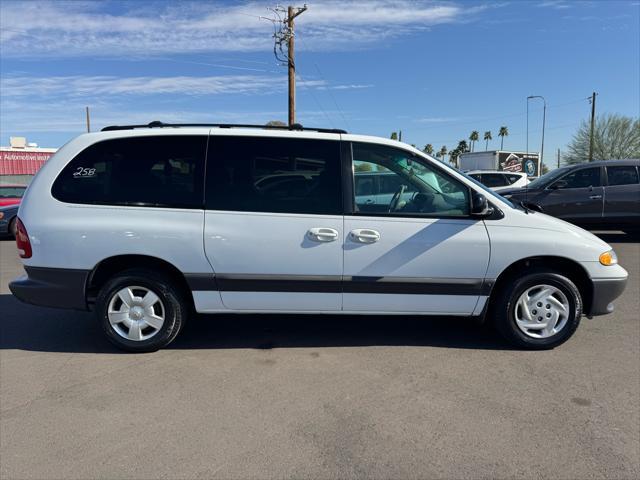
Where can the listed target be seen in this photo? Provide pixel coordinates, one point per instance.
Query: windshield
(547, 178)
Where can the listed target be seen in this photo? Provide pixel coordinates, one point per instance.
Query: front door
(273, 222)
(418, 253)
(576, 197)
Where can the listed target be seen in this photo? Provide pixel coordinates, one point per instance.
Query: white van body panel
(280, 248)
(80, 236)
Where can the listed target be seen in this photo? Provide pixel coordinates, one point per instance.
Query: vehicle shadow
(26, 327)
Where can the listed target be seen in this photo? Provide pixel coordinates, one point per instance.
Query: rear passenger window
(626, 175)
(586, 177)
(156, 171)
(279, 175)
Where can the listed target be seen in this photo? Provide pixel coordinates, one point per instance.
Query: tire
(511, 320)
(125, 323)
(12, 227)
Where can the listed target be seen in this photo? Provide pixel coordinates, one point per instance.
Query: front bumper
(605, 291)
(52, 287)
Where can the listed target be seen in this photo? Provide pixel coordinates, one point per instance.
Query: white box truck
(501, 160)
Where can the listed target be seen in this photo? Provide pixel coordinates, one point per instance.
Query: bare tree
(614, 137)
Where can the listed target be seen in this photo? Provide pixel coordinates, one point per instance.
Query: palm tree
(443, 152)
(487, 137)
(453, 156)
(504, 132)
(462, 147)
(474, 137)
(428, 149)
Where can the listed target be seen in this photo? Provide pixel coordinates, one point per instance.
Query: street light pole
(544, 119)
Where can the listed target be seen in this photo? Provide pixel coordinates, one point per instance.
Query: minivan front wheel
(539, 311)
(140, 310)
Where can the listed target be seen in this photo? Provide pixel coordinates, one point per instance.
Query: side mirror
(559, 184)
(480, 205)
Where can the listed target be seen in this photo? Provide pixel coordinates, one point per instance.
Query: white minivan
(146, 224)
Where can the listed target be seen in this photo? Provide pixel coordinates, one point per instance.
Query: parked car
(500, 180)
(129, 223)
(11, 194)
(8, 218)
(603, 194)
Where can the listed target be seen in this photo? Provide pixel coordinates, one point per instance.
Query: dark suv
(603, 194)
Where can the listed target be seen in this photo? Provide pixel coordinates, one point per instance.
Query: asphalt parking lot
(318, 397)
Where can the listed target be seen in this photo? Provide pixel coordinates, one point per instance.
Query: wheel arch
(110, 266)
(562, 265)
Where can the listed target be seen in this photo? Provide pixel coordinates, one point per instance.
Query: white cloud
(555, 4)
(101, 86)
(39, 28)
(81, 86)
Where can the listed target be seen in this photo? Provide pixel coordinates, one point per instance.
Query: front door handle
(322, 234)
(595, 197)
(365, 235)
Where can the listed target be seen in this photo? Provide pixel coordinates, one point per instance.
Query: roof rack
(158, 124)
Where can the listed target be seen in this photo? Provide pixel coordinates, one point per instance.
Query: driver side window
(408, 184)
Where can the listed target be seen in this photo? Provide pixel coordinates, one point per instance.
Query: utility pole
(593, 120)
(88, 121)
(558, 158)
(292, 13)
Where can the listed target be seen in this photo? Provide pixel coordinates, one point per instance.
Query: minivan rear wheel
(141, 310)
(538, 311)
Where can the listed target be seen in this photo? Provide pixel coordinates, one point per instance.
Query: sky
(436, 70)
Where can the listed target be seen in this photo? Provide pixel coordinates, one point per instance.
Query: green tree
(487, 137)
(394, 135)
(443, 152)
(276, 123)
(614, 137)
(504, 132)
(462, 147)
(474, 137)
(428, 149)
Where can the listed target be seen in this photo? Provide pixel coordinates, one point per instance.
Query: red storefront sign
(16, 162)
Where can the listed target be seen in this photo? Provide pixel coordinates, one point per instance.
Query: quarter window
(623, 175)
(279, 175)
(154, 171)
(412, 185)
(584, 178)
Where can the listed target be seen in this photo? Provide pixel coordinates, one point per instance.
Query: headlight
(608, 258)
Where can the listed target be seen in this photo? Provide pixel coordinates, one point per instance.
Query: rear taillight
(22, 240)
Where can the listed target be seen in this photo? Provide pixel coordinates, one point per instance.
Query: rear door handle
(595, 197)
(365, 235)
(322, 234)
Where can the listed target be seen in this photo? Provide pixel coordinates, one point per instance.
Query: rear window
(513, 178)
(494, 179)
(623, 175)
(157, 171)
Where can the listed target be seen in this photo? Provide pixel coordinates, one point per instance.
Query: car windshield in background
(488, 190)
(12, 192)
(548, 177)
